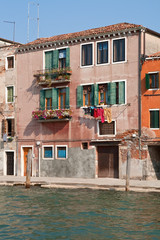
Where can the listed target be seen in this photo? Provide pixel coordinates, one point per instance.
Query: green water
(78, 214)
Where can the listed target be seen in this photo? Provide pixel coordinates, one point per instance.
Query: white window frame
(7, 93)
(154, 109)
(7, 62)
(107, 135)
(87, 66)
(43, 147)
(151, 89)
(102, 64)
(125, 50)
(66, 152)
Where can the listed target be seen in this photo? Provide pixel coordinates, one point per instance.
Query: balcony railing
(52, 115)
(49, 77)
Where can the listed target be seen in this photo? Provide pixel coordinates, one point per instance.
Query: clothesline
(104, 113)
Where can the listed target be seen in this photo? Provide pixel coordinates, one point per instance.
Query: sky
(67, 16)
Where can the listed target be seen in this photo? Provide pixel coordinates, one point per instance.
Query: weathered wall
(152, 44)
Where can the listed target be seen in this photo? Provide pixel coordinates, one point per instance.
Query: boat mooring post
(128, 168)
(28, 173)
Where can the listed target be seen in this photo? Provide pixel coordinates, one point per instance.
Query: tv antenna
(14, 26)
(37, 4)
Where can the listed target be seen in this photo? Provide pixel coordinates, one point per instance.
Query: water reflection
(78, 214)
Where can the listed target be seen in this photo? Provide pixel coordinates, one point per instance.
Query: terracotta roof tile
(94, 31)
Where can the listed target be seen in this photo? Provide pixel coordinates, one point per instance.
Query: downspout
(139, 94)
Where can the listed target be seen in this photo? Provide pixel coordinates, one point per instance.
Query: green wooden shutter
(147, 81)
(92, 95)
(154, 119)
(121, 86)
(49, 60)
(67, 98)
(67, 57)
(112, 92)
(54, 98)
(48, 93)
(42, 99)
(96, 90)
(157, 80)
(79, 96)
(55, 59)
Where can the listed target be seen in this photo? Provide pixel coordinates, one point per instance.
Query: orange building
(150, 116)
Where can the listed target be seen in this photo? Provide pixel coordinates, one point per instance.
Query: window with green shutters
(54, 98)
(57, 59)
(10, 93)
(109, 94)
(152, 80)
(154, 118)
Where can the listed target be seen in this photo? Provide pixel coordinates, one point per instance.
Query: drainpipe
(139, 93)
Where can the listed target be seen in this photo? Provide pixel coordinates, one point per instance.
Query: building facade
(79, 106)
(150, 113)
(8, 144)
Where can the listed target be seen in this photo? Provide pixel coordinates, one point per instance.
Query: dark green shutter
(55, 59)
(54, 98)
(49, 60)
(42, 99)
(96, 90)
(147, 81)
(67, 57)
(67, 98)
(48, 93)
(121, 91)
(112, 93)
(79, 96)
(157, 80)
(154, 119)
(92, 95)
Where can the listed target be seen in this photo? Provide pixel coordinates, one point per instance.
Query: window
(152, 80)
(102, 52)
(61, 152)
(84, 145)
(59, 58)
(154, 118)
(54, 98)
(107, 128)
(85, 95)
(87, 54)
(48, 152)
(108, 93)
(111, 93)
(119, 50)
(10, 93)
(10, 62)
(8, 127)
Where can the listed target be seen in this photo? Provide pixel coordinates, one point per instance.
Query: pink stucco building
(78, 105)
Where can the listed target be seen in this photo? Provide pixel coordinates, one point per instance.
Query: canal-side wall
(79, 164)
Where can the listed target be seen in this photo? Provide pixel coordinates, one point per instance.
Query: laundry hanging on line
(104, 113)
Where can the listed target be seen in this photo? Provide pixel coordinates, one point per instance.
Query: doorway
(10, 163)
(25, 153)
(108, 165)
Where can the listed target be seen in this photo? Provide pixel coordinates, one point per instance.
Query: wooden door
(108, 161)
(10, 163)
(25, 151)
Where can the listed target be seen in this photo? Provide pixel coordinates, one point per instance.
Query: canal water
(38, 213)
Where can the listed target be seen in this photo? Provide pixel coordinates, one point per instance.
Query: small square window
(107, 128)
(10, 62)
(84, 145)
(48, 152)
(152, 80)
(61, 152)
